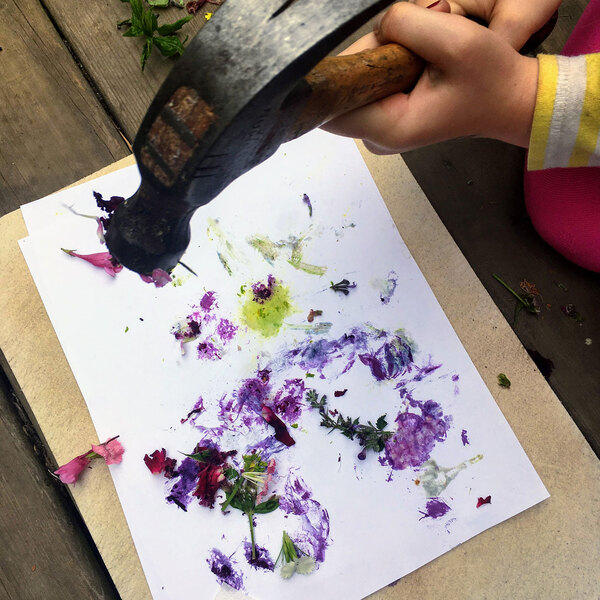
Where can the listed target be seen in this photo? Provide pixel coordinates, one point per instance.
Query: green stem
(525, 304)
(234, 491)
(250, 515)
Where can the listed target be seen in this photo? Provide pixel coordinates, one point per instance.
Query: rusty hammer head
(227, 105)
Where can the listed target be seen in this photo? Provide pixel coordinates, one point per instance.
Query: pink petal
(99, 259)
(69, 473)
(156, 461)
(270, 470)
(100, 230)
(159, 278)
(111, 451)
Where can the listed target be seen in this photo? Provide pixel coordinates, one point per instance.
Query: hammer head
(227, 105)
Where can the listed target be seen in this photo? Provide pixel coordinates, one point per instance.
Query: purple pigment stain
(297, 500)
(456, 388)
(390, 360)
(222, 567)
(416, 435)
(288, 400)
(306, 200)
(435, 509)
(263, 559)
(389, 288)
(213, 333)
(195, 412)
(255, 391)
(226, 330)
(208, 301)
(317, 355)
(262, 292)
(208, 351)
(184, 483)
(464, 437)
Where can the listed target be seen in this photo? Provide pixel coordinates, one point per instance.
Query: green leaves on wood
(144, 23)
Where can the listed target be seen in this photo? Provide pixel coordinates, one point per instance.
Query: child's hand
(514, 20)
(475, 84)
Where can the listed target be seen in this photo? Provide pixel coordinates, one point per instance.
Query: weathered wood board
(53, 130)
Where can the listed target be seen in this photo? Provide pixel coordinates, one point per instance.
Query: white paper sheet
(117, 337)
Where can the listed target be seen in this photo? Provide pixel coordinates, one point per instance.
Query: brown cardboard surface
(550, 551)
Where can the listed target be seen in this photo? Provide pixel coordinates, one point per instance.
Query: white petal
(288, 570)
(305, 565)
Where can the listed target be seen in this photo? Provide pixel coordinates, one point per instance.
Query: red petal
(281, 432)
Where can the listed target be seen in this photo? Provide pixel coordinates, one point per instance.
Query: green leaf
(381, 423)
(243, 502)
(199, 456)
(146, 52)
(267, 506)
(169, 46)
(137, 10)
(171, 28)
(134, 31)
(147, 22)
(231, 473)
(159, 3)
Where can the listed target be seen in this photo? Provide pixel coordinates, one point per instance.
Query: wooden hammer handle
(342, 83)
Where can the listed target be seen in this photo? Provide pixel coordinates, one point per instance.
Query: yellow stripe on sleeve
(589, 123)
(544, 107)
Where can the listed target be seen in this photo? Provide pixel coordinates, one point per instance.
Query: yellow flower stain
(267, 317)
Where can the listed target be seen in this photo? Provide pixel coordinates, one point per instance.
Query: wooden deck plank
(53, 130)
(114, 61)
(46, 552)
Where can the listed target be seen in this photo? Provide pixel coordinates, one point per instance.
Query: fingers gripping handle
(342, 83)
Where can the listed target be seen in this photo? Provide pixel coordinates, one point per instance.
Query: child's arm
(566, 121)
(474, 84)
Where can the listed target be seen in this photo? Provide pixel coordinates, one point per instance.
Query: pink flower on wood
(99, 259)
(70, 472)
(111, 451)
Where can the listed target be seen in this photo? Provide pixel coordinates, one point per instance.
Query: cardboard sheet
(548, 551)
(310, 216)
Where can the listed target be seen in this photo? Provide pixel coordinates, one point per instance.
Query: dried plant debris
(503, 381)
(573, 313)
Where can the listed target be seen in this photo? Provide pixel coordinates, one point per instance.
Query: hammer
(210, 124)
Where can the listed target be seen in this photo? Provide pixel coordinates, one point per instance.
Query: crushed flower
(482, 501)
(70, 472)
(212, 463)
(99, 259)
(158, 462)
(111, 451)
(292, 563)
(312, 314)
(262, 292)
(158, 277)
(107, 206)
(281, 433)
